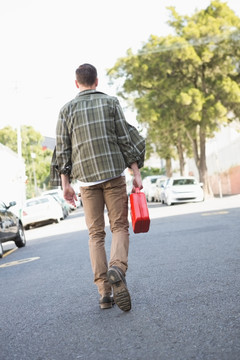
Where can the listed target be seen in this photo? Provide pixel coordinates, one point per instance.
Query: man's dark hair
(86, 74)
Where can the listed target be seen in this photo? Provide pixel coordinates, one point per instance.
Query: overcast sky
(44, 41)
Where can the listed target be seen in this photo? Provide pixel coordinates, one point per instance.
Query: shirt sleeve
(131, 143)
(63, 146)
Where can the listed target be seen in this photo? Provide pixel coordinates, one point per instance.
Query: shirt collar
(84, 92)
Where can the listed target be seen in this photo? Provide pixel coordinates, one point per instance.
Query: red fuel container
(139, 212)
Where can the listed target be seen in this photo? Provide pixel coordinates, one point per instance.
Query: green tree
(36, 159)
(185, 86)
(8, 137)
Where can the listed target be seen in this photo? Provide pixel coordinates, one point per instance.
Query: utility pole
(22, 170)
(33, 156)
(19, 137)
(19, 140)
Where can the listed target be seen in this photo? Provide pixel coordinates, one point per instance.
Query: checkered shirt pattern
(93, 139)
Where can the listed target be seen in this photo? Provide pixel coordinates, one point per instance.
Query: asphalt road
(183, 278)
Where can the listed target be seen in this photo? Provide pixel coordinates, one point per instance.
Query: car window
(44, 200)
(36, 202)
(190, 182)
(177, 182)
(2, 206)
(153, 181)
(32, 203)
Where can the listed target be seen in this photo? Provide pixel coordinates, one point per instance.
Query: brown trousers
(113, 194)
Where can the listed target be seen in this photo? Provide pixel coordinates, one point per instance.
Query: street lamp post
(19, 141)
(33, 156)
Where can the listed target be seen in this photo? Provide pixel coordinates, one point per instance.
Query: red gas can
(139, 212)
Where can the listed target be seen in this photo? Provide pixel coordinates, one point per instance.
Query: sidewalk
(210, 204)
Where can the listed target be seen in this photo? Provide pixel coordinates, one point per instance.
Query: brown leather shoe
(106, 302)
(119, 285)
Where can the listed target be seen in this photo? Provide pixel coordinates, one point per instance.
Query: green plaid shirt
(93, 139)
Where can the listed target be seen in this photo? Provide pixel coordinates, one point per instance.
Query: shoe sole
(106, 306)
(120, 292)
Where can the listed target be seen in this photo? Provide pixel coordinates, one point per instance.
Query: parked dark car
(11, 228)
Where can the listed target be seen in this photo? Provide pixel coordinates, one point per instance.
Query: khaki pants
(113, 194)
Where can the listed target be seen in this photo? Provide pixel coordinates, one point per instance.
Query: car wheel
(1, 250)
(20, 240)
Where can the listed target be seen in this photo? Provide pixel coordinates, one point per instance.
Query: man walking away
(95, 144)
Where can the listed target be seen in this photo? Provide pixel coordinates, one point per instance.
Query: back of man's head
(86, 74)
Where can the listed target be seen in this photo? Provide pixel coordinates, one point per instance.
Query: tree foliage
(185, 86)
(37, 160)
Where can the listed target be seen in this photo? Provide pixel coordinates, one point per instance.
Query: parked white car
(149, 186)
(59, 193)
(181, 190)
(40, 210)
(160, 183)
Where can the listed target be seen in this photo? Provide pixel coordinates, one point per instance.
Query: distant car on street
(11, 227)
(65, 206)
(149, 186)
(181, 190)
(159, 188)
(59, 193)
(40, 210)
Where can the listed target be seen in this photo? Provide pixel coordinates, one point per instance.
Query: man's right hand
(68, 191)
(137, 179)
(70, 195)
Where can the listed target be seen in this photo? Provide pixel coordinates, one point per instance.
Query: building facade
(12, 180)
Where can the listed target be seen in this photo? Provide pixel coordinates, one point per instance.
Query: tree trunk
(168, 167)
(200, 158)
(181, 157)
(195, 148)
(203, 173)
